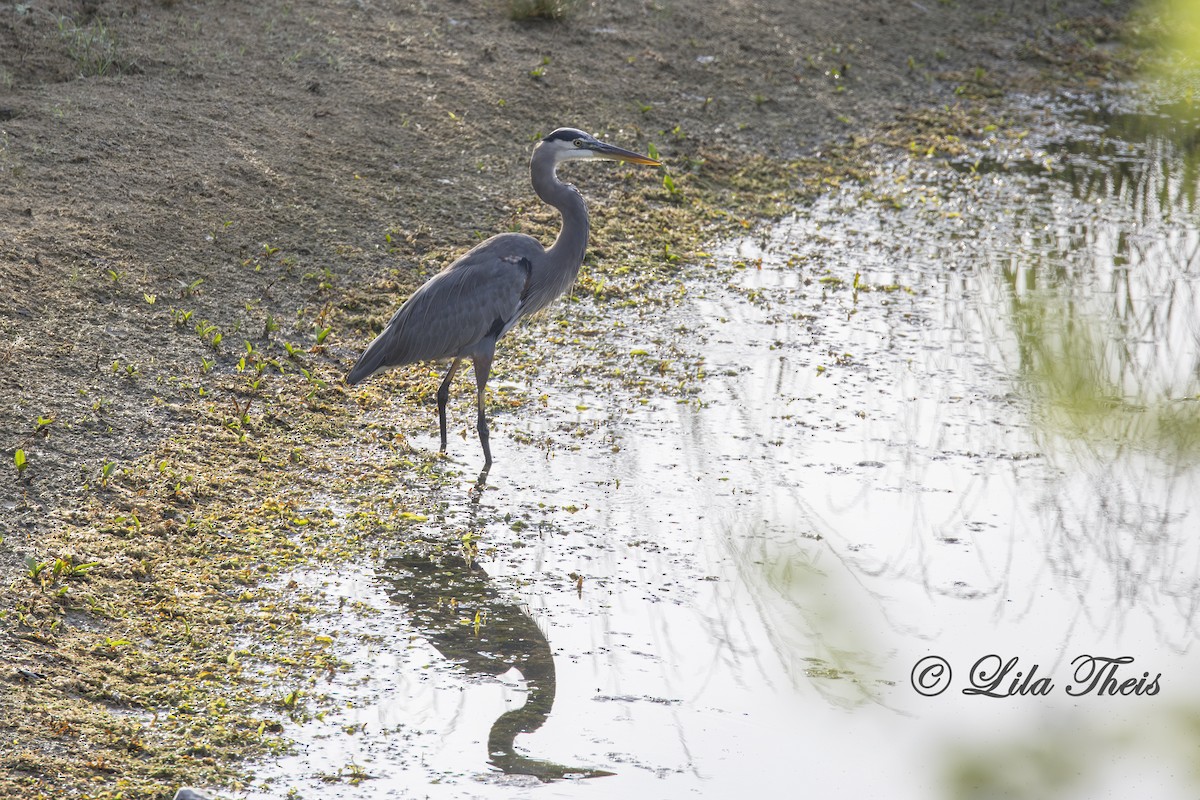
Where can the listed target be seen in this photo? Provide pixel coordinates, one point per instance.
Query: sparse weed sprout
(35, 568)
(290, 699)
(92, 46)
(539, 72)
(209, 334)
(129, 370)
(190, 289)
(672, 189)
(67, 568)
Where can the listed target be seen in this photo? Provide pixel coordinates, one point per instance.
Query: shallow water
(952, 413)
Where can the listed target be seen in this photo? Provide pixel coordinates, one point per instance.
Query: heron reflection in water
(509, 638)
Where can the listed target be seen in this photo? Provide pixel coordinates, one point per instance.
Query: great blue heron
(463, 310)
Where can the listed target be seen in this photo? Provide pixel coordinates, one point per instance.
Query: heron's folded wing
(475, 297)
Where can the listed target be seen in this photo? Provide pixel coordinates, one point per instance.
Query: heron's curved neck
(571, 243)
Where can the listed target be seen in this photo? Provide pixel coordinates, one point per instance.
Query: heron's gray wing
(475, 297)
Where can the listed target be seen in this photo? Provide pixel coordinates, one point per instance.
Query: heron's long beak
(611, 151)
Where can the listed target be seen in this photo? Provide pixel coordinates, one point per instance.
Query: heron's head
(568, 144)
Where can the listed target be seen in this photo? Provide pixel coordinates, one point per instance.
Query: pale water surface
(951, 413)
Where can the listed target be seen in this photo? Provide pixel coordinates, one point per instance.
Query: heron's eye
(579, 143)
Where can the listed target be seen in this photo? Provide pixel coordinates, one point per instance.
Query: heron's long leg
(443, 396)
(483, 369)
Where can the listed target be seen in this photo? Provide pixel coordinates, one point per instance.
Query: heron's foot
(476, 492)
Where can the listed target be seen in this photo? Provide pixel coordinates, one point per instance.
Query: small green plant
(672, 189)
(130, 370)
(323, 334)
(323, 279)
(539, 72)
(355, 774)
(67, 568)
(209, 334)
(241, 413)
(20, 462)
(106, 472)
(35, 568)
(470, 550)
(290, 699)
(315, 384)
(212, 237)
(92, 47)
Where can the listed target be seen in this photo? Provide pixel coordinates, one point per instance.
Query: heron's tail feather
(373, 359)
